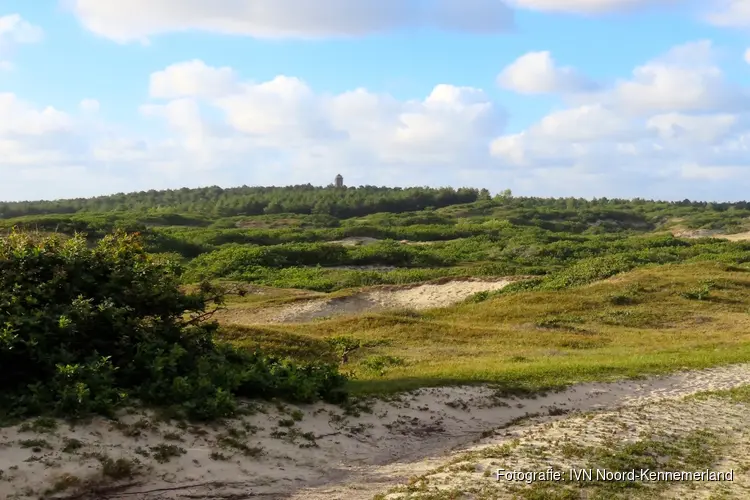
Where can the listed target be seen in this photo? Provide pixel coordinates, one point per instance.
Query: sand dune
(318, 452)
(415, 297)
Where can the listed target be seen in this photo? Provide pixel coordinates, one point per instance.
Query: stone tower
(339, 181)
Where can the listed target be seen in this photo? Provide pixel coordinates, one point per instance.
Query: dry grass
(648, 321)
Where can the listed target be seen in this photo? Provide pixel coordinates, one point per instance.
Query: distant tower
(339, 181)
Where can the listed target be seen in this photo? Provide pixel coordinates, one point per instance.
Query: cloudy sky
(592, 98)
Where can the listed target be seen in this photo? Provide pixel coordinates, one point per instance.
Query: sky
(583, 98)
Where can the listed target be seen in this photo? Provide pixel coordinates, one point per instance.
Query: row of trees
(215, 201)
(340, 203)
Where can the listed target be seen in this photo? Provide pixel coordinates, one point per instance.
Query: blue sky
(592, 98)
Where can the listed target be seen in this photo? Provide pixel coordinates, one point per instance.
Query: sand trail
(711, 233)
(316, 451)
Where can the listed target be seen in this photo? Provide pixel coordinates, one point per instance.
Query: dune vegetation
(603, 287)
(192, 302)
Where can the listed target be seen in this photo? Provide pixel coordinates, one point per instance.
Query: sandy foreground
(415, 297)
(321, 452)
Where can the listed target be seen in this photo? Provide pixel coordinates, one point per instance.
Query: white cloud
(702, 128)
(678, 124)
(208, 125)
(285, 113)
(685, 79)
(191, 78)
(692, 171)
(536, 73)
(22, 119)
(590, 6)
(747, 56)
(31, 138)
(730, 13)
(283, 109)
(268, 132)
(89, 105)
(584, 124)
(14, 30)
(125, 21)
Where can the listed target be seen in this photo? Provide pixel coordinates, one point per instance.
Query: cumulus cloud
(191, 78)
(691, 128)
(537, 73)
(205, 124)
(286, 113)
(677, 121)
(23, 119)
(685, 79)
(32, 137)
(14, 30)
(280, 130)
(125, 22)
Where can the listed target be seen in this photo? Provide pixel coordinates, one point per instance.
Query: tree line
(245, 200)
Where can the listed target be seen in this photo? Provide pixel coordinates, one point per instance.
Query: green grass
(694, 451)
(540, 340)
(737, 395)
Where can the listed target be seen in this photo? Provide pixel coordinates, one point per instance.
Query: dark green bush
(84, 328)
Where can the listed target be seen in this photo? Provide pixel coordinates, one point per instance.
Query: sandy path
(711, 233)
(578, 441)
(419, 297)
(735, 237)
(313, 452)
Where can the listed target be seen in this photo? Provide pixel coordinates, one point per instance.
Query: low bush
(84, 328)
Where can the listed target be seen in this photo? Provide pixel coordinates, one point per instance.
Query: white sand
(356, 241)
(366, 240)
(711, 233)
(420, 297)
(353, 457)
(540, 443)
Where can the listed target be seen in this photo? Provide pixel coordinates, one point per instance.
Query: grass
(163, 453)
(737, 395)
(40, 425)
(647, 321)
(695, 451)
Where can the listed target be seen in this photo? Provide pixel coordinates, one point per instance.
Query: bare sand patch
(363, 268)
(353, 241)
(432, 242)
(416, 297)
(366, 240)
(320, 452)
(711, 233)
(736, 236)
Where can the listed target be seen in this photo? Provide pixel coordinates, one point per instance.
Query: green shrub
(701, 292)
(380, 363)
(84, 328)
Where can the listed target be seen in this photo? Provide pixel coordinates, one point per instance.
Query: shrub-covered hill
(84, 329)
(447, 232)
